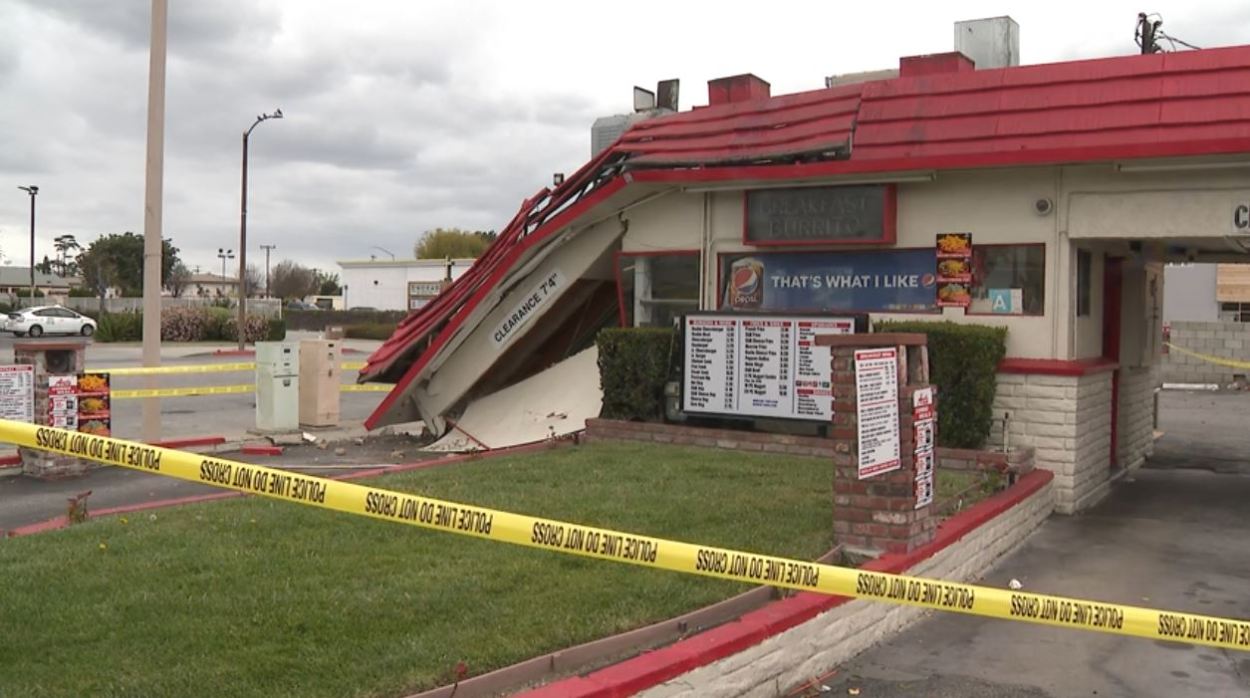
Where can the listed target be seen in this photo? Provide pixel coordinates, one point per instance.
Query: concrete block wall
(1136, 417)
(1229, 340)
(1067, 420)
(820, 644)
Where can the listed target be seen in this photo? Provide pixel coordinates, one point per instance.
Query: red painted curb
(652, 668)
(190, 441)
(262, 450)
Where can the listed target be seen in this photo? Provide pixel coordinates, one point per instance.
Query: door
(1112, 291)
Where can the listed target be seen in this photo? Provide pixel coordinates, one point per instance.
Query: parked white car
(51, 319)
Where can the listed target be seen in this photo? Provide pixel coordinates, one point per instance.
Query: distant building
(1206, 293)
(402, 284)
(15, 281)
(211, 286)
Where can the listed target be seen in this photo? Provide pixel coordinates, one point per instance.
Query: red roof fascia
(900, 165)
(545, 231)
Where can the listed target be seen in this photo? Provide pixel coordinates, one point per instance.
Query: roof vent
(993, 42)
(737, 88)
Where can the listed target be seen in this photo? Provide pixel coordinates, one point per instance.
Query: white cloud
(402, 117)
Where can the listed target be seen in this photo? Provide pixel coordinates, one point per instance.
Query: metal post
(153, 197)
(33, 191)
(243, 247)
(267, 249)
(277, 114)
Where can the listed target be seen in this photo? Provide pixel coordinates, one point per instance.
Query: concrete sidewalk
(1170, 536)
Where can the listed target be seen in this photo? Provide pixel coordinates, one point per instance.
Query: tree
(44, 267)
(255, 281)
(65, 246)
(179, 279)
(117, 261)
(441, 243)
(290, 280)
(327, 284)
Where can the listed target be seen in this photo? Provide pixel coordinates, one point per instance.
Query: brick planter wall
(1018, 460)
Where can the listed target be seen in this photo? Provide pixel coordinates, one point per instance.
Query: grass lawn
(258, 598)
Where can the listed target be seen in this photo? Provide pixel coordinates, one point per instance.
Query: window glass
(46, 312)
(656, 289)
(1012, 275)
(1084, 260)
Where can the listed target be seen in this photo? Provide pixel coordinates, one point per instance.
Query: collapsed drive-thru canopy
(480, 334)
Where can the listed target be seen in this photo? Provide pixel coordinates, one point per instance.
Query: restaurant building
(1077, 182)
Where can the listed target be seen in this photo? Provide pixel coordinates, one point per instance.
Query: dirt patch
(389, 449)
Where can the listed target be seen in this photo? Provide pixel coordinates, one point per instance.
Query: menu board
(876, 385)
(81, 402)
(759, 365)
(17, 393)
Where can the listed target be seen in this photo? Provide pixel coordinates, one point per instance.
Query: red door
(1112, 285)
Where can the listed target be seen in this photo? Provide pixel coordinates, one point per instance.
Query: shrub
(185, 324)
(277, 330)
(255, 329)
(963, 364)
(634, 365)
(317, 320)
(120, 327)
(218, 318)
(369, 330)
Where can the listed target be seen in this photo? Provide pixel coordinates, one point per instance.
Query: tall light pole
(33, 191)
(277, 114)
(153, 213)
(267, 249)
(383, 249)
(223, 255)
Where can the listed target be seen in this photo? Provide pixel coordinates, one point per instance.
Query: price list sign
(876, 384)
(759, 365)
(924, 421)
(17, 393)
(63, 401)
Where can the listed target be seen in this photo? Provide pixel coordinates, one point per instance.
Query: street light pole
(383, 249)
(277, 114)
(33, 191)
(267, 249)
(223, 255)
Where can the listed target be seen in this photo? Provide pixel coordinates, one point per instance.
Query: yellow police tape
(183, 392)
(1218, 360)
(236, 367)
(193, 391)
(645, 551)
(175, 370)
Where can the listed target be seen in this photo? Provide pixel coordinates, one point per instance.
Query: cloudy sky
(402, 116)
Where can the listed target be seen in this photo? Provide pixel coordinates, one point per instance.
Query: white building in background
(402, 284)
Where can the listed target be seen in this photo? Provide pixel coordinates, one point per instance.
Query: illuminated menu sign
(759, 366)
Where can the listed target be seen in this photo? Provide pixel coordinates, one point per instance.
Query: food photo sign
(81, 401)
(954, 270)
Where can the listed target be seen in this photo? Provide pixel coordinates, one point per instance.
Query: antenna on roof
(1145, 34)
(1150, 31)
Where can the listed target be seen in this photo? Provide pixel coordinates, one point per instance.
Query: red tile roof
(1162, 105)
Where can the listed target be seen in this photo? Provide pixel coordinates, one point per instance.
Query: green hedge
(318, 320)
(963, 364)
(634, 364)
(189, 325)
(370, 330)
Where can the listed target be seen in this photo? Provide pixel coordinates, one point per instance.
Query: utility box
(319, 374)
(277, 386)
